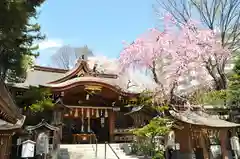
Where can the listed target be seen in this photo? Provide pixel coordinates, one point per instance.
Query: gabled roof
(82, 69)
(43, 123)
(28, 141)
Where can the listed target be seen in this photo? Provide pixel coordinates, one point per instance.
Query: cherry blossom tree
(174, 53)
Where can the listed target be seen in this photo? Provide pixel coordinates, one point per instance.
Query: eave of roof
(201, 119)
(111, 83)
(4, 125)
(8, 106)
(135, 109)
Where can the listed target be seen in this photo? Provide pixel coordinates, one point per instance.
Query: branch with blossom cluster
(175, 53)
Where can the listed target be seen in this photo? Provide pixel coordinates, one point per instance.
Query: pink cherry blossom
(175, 51)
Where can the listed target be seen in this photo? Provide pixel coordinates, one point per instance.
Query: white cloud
(50, 43)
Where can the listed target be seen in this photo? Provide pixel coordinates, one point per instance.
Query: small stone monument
(42, 144)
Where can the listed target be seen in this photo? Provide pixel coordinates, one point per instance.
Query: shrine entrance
(101, 130)
(83, 125)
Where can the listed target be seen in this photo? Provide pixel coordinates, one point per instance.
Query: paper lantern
(88, 113)
(82, 112)
(97, 113)
(76, 113)
(106, 113)
(92, 112)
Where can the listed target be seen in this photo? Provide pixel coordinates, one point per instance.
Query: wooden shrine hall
(95, 101)
(11, 121)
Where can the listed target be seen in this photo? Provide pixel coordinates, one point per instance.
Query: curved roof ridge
(81, 64)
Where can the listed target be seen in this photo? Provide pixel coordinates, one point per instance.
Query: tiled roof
(201, 119)
(4, 125)
(38, 77)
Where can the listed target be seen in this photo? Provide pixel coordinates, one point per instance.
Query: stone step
(87, 151)
(87, 145)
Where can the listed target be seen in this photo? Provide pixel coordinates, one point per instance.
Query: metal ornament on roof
(93, 88)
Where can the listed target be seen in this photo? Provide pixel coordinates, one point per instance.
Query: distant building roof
(39, 75)
(201, 119)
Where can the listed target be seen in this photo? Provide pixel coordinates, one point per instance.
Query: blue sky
(102, 25)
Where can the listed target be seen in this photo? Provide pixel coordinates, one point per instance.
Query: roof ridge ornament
(95, 67)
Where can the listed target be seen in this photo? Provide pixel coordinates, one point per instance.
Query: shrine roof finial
(95, 67)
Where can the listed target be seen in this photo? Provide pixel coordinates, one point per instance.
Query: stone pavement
(87, 151)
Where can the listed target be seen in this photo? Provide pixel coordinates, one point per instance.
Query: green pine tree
(18, 33)
(234, 85)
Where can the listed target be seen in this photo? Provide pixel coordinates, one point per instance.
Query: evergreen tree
(17, 36)
(234, 85)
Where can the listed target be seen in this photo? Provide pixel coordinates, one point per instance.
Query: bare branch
(66, 56)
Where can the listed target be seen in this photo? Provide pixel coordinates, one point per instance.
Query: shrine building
(11, 121)
(90, 102)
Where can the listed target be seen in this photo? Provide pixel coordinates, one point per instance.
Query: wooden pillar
(204, 145)
(223, 139)
(5, 145)
(184, 138)
(112, 118)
